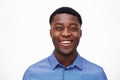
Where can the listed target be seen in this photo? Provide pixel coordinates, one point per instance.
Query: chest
(63, 74)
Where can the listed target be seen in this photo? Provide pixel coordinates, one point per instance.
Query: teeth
(66, 42)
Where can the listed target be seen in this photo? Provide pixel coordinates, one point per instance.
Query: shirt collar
(78, 62)
(54, 62)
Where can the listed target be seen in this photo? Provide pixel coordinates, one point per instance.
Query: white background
(25, 39)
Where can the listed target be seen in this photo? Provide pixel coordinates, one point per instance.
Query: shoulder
(88, 65)
(93, 70)
(36, 68)
(39, 66)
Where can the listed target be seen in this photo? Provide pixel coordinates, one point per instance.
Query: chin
(66, 52)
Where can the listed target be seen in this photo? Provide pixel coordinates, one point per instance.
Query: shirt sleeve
(101, 75)
(28, 75)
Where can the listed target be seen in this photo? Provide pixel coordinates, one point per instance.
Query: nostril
(66, 33)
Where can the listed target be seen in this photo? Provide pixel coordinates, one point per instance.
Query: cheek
(77, 36)
(53, 34)
(76, 40)
(55, 37)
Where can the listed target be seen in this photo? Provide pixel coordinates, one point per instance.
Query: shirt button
(66, 68)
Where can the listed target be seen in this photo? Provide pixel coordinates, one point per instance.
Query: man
(65, 63)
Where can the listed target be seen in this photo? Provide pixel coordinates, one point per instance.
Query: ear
(51, 33)
(80, 33)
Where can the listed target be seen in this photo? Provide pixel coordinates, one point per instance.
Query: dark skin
(65, 33)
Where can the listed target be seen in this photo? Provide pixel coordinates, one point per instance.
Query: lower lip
(66, 44)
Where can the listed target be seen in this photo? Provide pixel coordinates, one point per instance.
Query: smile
(66, 42)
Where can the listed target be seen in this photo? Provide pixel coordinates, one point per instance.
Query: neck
(65, 60)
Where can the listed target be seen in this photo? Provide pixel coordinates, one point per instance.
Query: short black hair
(67, 10)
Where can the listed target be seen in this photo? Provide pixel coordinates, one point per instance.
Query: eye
(59, 28)
(73, 28)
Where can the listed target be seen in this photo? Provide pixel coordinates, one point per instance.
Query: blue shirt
(51, 69)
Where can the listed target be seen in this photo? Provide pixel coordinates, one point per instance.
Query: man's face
(65, 33)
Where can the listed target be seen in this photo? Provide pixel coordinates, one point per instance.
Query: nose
(66, 33)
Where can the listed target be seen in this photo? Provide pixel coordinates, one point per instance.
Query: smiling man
(65, 63)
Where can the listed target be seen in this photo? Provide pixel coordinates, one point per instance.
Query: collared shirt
(51, 69)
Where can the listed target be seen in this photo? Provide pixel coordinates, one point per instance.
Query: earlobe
(80, 32)
(50, 33)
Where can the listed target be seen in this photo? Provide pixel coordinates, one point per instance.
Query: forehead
(64, 17)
